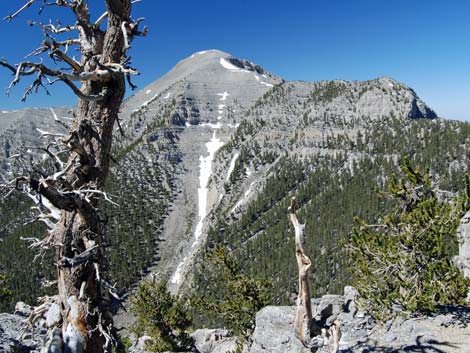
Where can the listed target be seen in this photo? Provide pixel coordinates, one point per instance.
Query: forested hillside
(332, 189)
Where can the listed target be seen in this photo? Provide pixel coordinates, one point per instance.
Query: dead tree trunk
(305, 327)
(79, 237)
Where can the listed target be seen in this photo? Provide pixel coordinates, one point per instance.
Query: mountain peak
(210, 52)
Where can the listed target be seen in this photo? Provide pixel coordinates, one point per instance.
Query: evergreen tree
(239, 296)
(405, 259)
(161, 316)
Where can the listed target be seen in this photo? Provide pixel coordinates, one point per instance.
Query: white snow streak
(206, 169)
(230, 66)
(224, 96)
(205, 172)
(266, 84)
(147, 102)
(257, 77)
(4, 112)
(167, 95)
(232, 165)
(221, 106)
(198, 53)
(247, 192)
(148, 91)
(176, 278)
(233, 126)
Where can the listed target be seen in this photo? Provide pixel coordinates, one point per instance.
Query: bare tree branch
(24, 7)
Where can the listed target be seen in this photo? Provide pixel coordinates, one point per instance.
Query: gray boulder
(23, 309)
(214, 340)
(53, 315)
(274, 331)
(350, 298)
(447, 331)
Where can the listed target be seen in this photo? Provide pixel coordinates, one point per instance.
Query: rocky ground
(447, 331)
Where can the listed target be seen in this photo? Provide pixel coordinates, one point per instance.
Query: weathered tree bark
(305, 328)
(79, 237)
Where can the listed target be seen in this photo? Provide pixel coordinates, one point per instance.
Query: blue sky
(424, 44)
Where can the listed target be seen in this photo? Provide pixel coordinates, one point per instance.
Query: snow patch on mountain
(199, 53)
(230, 66)
(223, 96)
(232, 165)
(176, 278)
(206, 169)
(267, 84)
(205, 172)
(242, 200)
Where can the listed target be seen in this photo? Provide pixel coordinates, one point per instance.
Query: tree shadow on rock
(460, 315)
(421, 345)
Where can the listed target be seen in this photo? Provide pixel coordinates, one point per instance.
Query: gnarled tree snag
(78, 239)
(305, 327)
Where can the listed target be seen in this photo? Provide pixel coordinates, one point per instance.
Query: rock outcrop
(17, 335)
(447, 331)
(463, 234)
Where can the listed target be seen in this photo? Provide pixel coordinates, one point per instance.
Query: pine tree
(161, 316)
(405, 259)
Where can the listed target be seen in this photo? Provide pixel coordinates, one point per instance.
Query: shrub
(162, 317)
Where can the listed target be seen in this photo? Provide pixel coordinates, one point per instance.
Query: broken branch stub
(305, 327)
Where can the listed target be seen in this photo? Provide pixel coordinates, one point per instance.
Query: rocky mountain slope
(212, 151)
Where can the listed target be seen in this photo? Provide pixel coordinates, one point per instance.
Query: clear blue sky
(422, 43)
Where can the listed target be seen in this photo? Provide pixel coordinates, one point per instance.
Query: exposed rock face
(20, 130)
(16, 336)
(463, 234)
(214, 341)
(274, 331)
(447, 332)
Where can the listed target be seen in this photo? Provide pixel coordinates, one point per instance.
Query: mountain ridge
(165, 162)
